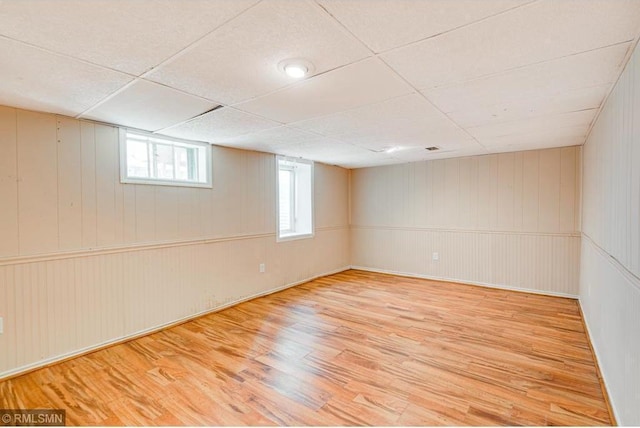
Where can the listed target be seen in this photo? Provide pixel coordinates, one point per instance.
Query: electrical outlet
(1, 325)
(436, 256)
(263, 268)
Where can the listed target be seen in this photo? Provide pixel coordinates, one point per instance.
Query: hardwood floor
(355, 348)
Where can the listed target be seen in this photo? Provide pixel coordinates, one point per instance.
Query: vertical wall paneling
(107, 167)
(9, 240)
(37, 182)
(132, 267)
(69, 183)
(495, 219)
(610, 259)
(88, 183)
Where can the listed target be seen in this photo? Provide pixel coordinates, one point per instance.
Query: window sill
(294, 236)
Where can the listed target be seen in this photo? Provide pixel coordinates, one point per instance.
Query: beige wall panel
(506, 191)
(109, 219)
(518, 191)
(549, 191)
(145, 213)
(610, 259)
(530, 190)
(488, 192)
(166, 210)
(569, 204)
(69, 183)
(451, 190)
(9, 239)
(469, 193)
(331, 197)
(539, 263)
(38, 182)
(88, 173)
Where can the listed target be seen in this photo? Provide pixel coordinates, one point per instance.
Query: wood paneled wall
(86, 260)
(610, 262)
(508, 220)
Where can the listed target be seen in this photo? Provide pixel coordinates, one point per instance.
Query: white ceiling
(469, 76)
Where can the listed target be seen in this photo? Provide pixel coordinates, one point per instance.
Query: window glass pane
(137, 159)
(164, 161)
(182, 164)
(285, 184)
(153, 160)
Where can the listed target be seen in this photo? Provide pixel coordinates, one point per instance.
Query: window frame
(296, 188)
(152, 166)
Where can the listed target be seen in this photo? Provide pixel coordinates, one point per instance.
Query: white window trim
(161, 182)
(294, 236)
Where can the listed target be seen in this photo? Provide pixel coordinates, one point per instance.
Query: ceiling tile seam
(623, 66)
(527, 133)
(107, 98)
(220, 107)
(434, 106)
(189, 47)
(300, 82)
(343, 26)
(134, 81)
(520, 67)
(67, 56)
(542, 98)
(163, 62)
(468, 24)
(195, 44)
(531, 117)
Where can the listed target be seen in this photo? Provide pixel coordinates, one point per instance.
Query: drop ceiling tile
(38, 80)
(545, 138)
(533, 33)
(269, 140)
(130, 36)
(419, 154)
(355, 85)
(408, 120)
(398, 113)
(220, 124)
(149, 106)
(527, 126)
(546, 79)
(386, 24)
(239, 61)
(562, 102)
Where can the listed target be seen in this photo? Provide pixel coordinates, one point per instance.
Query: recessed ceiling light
(392, 149)
(296, 68)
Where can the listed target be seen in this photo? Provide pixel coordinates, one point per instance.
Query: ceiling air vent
(433, 148)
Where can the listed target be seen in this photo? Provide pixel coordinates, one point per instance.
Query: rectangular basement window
(295, 198)
(151, 159)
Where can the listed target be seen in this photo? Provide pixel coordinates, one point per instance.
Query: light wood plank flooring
(354, 348)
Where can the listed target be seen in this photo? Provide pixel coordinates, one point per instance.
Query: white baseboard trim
(467, 282)
(93, 348)
(594, 346)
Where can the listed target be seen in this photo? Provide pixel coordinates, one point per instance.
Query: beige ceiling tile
(562, 102)
(419, 154)
(130, 36)
(366, 82)
(386, 24)
(545, 138)
(38, 80)
(527, 126)
(220, 124)
(396, 113)
(149, 106)
(543, 80)
(240, 60)
(533, 33)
